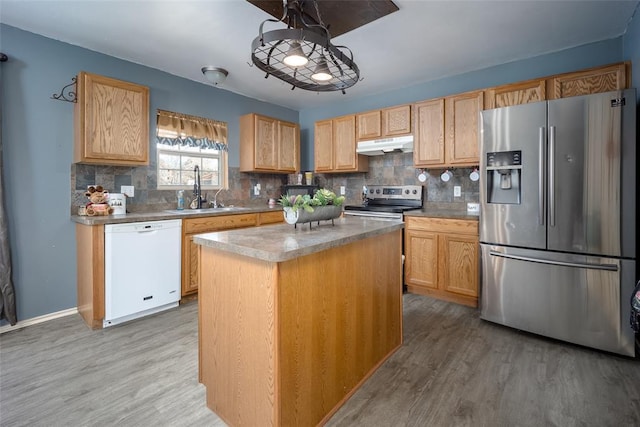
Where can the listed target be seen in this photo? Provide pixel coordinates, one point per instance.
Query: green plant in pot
(303, 208)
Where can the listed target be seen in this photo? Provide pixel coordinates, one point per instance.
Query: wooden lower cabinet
(193, 226)
(442, 258)
(90, 273)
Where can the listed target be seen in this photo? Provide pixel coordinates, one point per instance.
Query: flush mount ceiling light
(304, 57)
(215, 75)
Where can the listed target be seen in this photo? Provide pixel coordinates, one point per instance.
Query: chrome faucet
(214, 204)
(197, 190)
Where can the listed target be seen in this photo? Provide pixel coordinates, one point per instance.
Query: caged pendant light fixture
(304, 57)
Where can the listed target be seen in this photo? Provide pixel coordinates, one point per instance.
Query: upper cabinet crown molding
(269, 145)
(111, 121)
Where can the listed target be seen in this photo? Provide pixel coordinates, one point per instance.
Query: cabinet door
(369, 125)
(289, 147)
(595, 80)
(428, 144)
(459, 264)
(462, 116)
(323, 146)
(190, 261)
(396, 121)
(421, 262)
(111, 121)
(515, 94)
(266, 146)
(344, 143)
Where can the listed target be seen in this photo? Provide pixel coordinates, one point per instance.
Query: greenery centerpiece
(324, 205)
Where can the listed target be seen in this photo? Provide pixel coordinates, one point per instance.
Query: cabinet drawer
(270, 217)
(213, 223)
(443, 225)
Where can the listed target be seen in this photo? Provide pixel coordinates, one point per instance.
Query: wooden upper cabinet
(385, 123)
(446, 131)
(111, 121)
(344, 140)
(396, 121)
(593, 80)
(268, 145)
(462, 123)
(428, 142)
(369, 125)
(515, 94)
(289, 155)
(335, 146)
(323, 146)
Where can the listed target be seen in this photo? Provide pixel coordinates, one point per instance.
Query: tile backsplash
(389, 169)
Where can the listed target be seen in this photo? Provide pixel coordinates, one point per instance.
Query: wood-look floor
(453, 370)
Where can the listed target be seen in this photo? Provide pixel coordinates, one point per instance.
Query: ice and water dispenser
(504, 174)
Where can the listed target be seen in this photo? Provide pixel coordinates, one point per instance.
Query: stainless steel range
(387, 201)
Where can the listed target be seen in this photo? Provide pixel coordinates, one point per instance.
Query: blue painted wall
(631, 52)
(37, 136)
(38, 140)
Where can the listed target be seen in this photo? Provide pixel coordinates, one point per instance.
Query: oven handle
(371, 214)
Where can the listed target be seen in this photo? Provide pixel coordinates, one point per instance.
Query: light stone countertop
(170, 214)
(442, 213)
(283, 242)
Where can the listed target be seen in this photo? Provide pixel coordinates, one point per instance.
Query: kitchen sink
(208, 210)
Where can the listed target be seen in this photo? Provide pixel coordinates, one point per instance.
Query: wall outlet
(256, 190)
(343, 190)
(457, 191)
(128, 190)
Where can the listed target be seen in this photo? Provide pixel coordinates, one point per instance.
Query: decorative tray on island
(323, 206)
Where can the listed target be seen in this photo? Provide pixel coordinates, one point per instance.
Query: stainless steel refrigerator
(558, 218)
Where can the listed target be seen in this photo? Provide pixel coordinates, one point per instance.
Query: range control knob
(406, 191)
(415, 191)
(378, 191)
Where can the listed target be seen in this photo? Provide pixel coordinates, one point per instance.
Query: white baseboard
(39, 319)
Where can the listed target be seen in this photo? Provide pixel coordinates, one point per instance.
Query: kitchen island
(293, 320)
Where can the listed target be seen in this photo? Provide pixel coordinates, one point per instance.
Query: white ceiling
(425, 40)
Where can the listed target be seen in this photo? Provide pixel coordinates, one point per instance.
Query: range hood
(378, 147)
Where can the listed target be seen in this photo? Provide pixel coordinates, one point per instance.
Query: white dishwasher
(142, 269)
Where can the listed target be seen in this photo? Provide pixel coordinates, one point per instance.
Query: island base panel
(287, 343)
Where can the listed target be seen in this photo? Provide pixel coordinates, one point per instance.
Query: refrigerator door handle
(552, 177)
(541, 176)
(593, 266)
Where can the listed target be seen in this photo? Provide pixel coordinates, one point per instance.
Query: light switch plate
(128, 190)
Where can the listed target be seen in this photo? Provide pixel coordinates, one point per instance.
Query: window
(184, 142)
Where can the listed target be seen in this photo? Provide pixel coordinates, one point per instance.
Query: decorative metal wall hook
(67, 93)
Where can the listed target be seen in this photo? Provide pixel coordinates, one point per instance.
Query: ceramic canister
(118, 202)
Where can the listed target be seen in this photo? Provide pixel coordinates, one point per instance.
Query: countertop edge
(209, 240)
(442, 213)
(159, 216)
